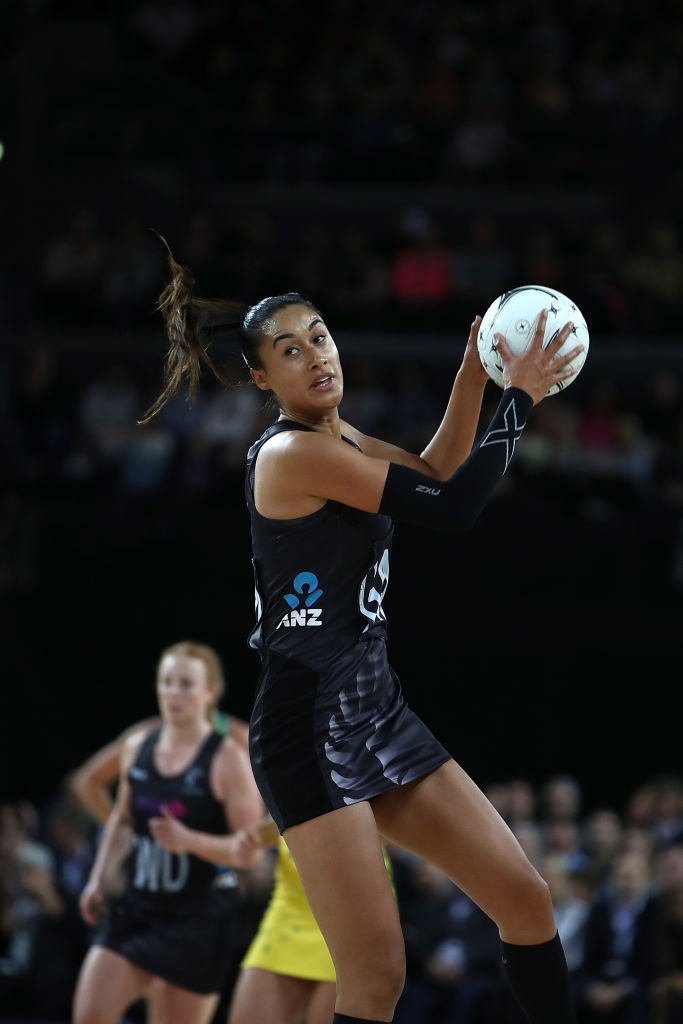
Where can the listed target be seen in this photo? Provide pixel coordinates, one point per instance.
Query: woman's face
(183, 692)
(300, 364)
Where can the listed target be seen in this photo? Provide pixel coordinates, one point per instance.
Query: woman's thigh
(341, 864)
(107, 985)
(446, 819)
(175, 1005)
(321, 1006)
(269, 998)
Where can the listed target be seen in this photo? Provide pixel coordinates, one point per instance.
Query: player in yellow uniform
(288, 940)
(287, 975)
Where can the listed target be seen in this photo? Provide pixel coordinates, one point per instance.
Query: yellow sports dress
(288, 940)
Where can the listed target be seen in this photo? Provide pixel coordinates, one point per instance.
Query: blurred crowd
(125, 116)
(416, 92)
(609, 449)
(615, 873)
(410, 272)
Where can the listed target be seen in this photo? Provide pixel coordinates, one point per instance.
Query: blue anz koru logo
(306, 594)
(305, 583)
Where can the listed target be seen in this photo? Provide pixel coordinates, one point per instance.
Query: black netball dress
(177, 916)
(330, 725)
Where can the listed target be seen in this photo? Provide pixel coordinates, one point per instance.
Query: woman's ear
(259, 380)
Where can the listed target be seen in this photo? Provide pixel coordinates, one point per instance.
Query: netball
(514, 314)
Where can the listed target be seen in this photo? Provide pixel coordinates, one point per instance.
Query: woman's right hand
(537, 369)
(247, 847)
(91, 903)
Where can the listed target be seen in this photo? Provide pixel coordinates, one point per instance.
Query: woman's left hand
(471, 361)
(168, 832)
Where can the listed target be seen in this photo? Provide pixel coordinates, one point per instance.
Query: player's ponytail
(191, 325)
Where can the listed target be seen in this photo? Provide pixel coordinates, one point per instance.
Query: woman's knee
(377, 978)
(393, 970)
(526, 913)
(536, 893)
(89, 1013)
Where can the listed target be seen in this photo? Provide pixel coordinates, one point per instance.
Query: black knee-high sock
(539, 978)
(341, 1018)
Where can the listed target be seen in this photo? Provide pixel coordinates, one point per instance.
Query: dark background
(537, 643)
(545, 640)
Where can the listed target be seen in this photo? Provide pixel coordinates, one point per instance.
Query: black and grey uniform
(330, 725)
(177, 916)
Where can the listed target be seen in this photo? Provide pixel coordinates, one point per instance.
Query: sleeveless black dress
(178, 915)
(330, 725)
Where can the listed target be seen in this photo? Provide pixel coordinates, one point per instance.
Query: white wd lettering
(157, 869)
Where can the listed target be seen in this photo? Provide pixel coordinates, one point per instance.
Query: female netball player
(340, 758)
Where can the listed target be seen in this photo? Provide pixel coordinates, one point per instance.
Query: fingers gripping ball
(513, 314)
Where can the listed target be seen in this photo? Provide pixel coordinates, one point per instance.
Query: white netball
(513, 314)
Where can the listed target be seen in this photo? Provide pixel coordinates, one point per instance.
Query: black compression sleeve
(455, 504)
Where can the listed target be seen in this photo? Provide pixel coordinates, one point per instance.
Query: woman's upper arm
(234, 785)
(128, 754)
(102, 767)
(376, 448)
(239, 730)
(297, 466)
